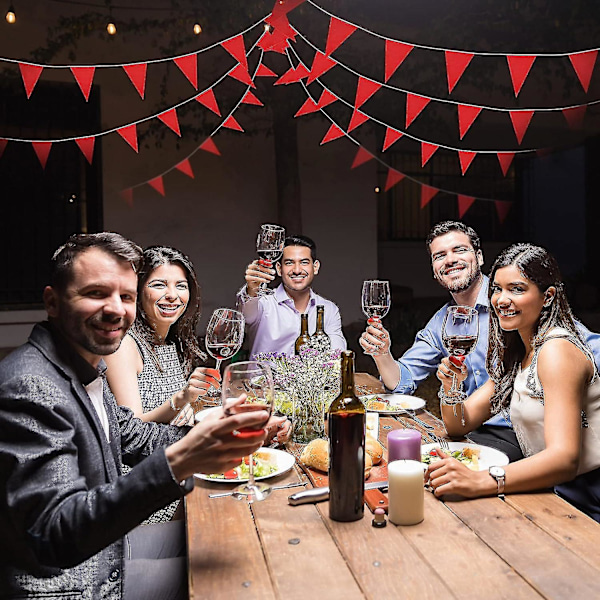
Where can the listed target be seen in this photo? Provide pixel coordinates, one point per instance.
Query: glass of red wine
(224, 337)
(269, 246)
(376, 299)
(248, 386)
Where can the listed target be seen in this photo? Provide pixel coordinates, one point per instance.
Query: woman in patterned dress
(543, 377)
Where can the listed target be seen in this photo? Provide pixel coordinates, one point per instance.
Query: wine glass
(248, 386)
(269, 246)
(224, 337)
(376, 299)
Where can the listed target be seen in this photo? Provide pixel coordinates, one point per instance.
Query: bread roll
(316, 456)
(368, 465)
(374, 449)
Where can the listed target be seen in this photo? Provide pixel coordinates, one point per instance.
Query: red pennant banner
(583, 63)
(333, 133)
(293, 75)
(326, 99)
(42, 149)
(3, 144)
(575, 116)
(466, 117)
(309, 106)
(208, 145)
(185, 167)
(414, 105)
(241, 74)
(520, 120)
(465, 158)
(365, 88)
(357, 120)
(231, 123)
(464, 203)
(169, 118)
(427, 193)
(519, 67)
(427, 151)
(277, 39)
(456, 63)
(264, 71)
(86, 145)
(281, 8)
(129, 134)
(235, 47)
(339, 32)
(362, 156)
(84, 77)
(188, 65)
(158, 184)
(30, 75)
(208, 99)
(127, 195)
(250, 98)
(321, 64)
(395, 53)
(393, 177)
(502, 208)
(505, 159)
(137, 76)
(391, 136)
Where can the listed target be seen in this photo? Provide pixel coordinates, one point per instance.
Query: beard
(464, 282)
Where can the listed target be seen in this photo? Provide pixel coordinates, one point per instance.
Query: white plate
(282, 460)
(397, 402)
(488, 457)
(206, 411)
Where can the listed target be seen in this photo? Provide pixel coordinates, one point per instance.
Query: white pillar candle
(406, 492)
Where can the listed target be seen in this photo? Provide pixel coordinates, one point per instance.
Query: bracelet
(454, 401)
(173, 405)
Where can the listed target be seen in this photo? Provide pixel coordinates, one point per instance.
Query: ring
(235, 433)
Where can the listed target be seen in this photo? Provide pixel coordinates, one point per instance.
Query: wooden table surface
(530, 546)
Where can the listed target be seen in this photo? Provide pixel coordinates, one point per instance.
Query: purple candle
(404, 444)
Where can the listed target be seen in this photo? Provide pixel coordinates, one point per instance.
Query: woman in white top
(542, 376)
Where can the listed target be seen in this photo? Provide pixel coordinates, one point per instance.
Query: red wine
(460, 345)
(375, 311)
(271, 255)
(221, 351)
(250, 406)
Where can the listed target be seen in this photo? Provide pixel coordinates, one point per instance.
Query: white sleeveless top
(527, 409)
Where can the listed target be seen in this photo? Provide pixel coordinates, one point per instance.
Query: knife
(320, 494)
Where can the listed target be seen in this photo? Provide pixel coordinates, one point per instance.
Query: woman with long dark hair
(542, 377)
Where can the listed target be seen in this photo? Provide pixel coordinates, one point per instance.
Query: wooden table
(530, 546)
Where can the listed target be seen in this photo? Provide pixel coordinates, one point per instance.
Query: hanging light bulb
(111, 28)
(197, 29)
(267, 28)
(11, 17)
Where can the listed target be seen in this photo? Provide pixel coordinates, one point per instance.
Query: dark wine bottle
(303, 339)
(319, 339)
(346, 449)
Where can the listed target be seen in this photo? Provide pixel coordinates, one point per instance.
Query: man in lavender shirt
(273, 321)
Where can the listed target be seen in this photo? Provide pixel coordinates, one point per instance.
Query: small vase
(308, 418)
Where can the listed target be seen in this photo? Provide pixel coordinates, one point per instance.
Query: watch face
(496, 471)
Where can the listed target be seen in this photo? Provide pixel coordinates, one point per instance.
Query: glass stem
(218, 365)
(453, 388)
(251, 471)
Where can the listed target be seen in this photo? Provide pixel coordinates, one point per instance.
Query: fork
(416, 419)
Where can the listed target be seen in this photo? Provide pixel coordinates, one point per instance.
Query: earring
(548, 303)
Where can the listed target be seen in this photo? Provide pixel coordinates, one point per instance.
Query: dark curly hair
(444, 227)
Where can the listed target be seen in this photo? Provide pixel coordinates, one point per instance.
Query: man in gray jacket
(66, 511)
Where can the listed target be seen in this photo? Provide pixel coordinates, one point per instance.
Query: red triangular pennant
(2, 146)
(391, 136)
(465, 158)
(169, 118)
(427, 151)
(456, 63)
(575, 116)
(339, 32)
(464, 203)
(395, 53)
(137, 75)
(333, 133)
(235, 47)
(357, 119)
(293, 75)
(505, 159)
(188, 65)
(209, 146)
(321, 64)
(520, 120)
(309, 106)
(127, 195)
(241, 74)
(393, 177)
(231, 123)
(42, 149)
(250, 98)
(208, 99)
(86, 145)
(414, 105)
(264, 71)
(30, 75)
(362, 156)
(158, 184)
(84, 77)
(466, 117)
(365, 88)
(427, 193)
(129, 134)
(326, 98)
(502, 208)
(185, 167)
(519, 67)
(583, 63)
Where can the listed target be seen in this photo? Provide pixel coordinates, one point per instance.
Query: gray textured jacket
(64, 505)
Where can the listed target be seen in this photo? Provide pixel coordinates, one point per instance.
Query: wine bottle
(303, 339)
(346, 449)
(319, 339)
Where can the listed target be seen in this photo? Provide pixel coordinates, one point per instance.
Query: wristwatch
(498, 474)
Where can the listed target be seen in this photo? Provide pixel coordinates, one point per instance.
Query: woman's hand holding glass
(451, 369)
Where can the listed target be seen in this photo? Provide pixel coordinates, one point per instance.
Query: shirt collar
(482, 297)
(282, 297)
